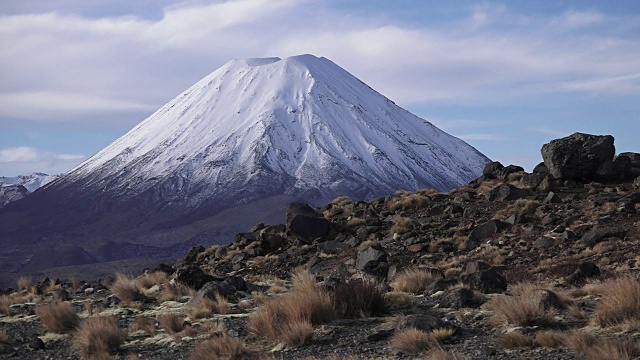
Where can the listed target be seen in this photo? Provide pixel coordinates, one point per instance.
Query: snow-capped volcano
(231, 151)
(302, 121)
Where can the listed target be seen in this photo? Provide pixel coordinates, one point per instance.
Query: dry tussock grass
(442, 354)
(407, 201)
(550, 339)
(519, 207)
(523, 308)
(354, 221)
(411, 341)
(4, 338)
(171, 323)
(24, 284)
(414, 281)
(148, 280)
(206, 307)
(225, 347)
(5, 305)
(514, 340)
(401, 226)
(174, 291)
(609, 348)
(97, 336)
(620, 302)
(442, 334)
(126, 288)
(143, 323)
(278, 316)
(580, 341)
(58, 318)
(399, 298)
(368, 243)
(358, 299)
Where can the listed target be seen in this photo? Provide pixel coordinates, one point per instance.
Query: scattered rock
(487, 281)
(601, 232)
(483, 231)
(585, 270)
(306, 223)
(507, 192)
(544, 242)
(458, 298)
(369, 258)
(193, 276)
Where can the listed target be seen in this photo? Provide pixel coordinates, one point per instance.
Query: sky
(505, 76)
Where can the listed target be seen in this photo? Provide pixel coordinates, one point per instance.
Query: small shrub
(297, 333)
(5, 305)
(401, 226)
(225, 347)
(97, 336)
(620, 302)
(618, 349)
(399, 298)
(580, 341)
(171, 323)
(142, 323)
(442, 334)
(4, 338)
(411, 341)
(148, 280)
(514, 340)
(174, 292)
(550, 339)
(126, 289)
(58, 317)
(414, 281)
(410, 201)
(358, 299)
(206, 307)
(305, 303)
(24, 283)
(522, 309)
(442, 354)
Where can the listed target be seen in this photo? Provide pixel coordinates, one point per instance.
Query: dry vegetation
(524, 308)
(442, 354)
(358, 299)
(550, 339)
(58, 317)
(126, 288)
(142, 323)
(171, 323)
(412, 341)
(414, 281)
(206, 307)
(514, 340)
(97, 337)
(620, 302)
(224, 347)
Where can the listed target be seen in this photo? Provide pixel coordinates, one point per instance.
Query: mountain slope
(258, 131)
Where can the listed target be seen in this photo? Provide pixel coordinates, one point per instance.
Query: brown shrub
(24, 283)
(174, 292)
(580, 341)
(620, 302)
(58, 317)
(550, 339)
(402, 225)
(142, 323)
(148, 280)
(4, 338)
(297, 333)
(353, 222)
(398, 298)
(410, 201)
(305, 303)
(358, 299)
(171, 323)
(126, 289)
(414, 281)
(97, 336)
(442, 334)
(442, 354)
(224, 347)
(523, 308)
(514, 340)
(618, 349)
(411, 341)
(206, 307)
(5, 305)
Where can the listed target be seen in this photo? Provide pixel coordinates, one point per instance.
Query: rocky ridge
(554, 238)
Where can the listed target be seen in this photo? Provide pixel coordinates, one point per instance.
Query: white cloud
(20, 153)
(69, 156)
(487, 137)
(548, 131)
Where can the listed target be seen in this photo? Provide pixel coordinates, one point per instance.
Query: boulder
(225, 286)
(577, 156)
(532, 181)
(492, 170)
(507, 192)
(584, 271)
(636, 183)
(306, 223)
(191, 256)
(544, 242)
(599, 233)
(193, 276)
(541, 169)
(488, 281)
(483, 231)
(633, 157)
(369, 258)
(458, 298)
(552, 198)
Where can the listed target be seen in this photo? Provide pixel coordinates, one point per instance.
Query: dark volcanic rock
(492, 170)
(369, 258)
(306, 223)
(597, 234)
(226, 287)
(488, 281)
(636, 183)
(193, 276)
(458, 298)
(505, 192)
(577, 156)
(482, 232)
(585, 270)
(423, 322)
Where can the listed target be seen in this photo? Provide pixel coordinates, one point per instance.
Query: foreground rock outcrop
(512, 265)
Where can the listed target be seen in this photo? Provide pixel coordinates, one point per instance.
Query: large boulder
(306, 223)
(577, 156)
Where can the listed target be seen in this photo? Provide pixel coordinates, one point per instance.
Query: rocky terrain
(514, 265)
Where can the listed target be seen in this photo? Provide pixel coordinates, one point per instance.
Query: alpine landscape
(281, 208)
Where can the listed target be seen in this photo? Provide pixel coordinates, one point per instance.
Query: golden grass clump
(514, 340)
(620, 302)
(358, 298)
(5, 305)
(442, 354)
(519, 207)
(126, 288)
(143, 323)
(414, 281)
(148, 280)
(174, 291)
(411, 341)
(524, 308)
(407, 201)
(399, 298)
(610, 348)
(97, 337)
(402, 225)
(278, 316)
(58, 318)
(580, 341)
(171, 323)
(24, 284)
(442, 334)
(225, 347)
(205, 307)
(550, 339)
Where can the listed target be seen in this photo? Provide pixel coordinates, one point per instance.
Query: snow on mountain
(31, 181)
(302, 119)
